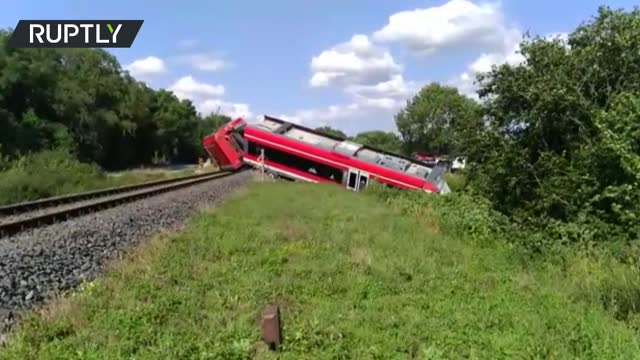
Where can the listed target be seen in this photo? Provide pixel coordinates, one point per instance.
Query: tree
(331, 131)
(83, 101)
(213, 122)
(380, 139)
(438, 120)
(561, 141)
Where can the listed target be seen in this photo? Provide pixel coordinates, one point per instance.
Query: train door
(357, 180)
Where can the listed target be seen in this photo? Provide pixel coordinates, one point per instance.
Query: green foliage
(560, 150)
(457, 181)
(212, 123)
(46, 174)
(355, 278)
(82, 101)
(439, 120)
(599, 275)
(58, 172)
(331, 131)
(380, 139)
(461, 214)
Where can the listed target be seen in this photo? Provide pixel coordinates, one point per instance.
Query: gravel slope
(41, 262)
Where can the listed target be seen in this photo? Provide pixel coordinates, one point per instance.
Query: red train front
(225, 145)
(299, 153)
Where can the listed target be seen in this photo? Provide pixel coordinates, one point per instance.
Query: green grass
(52, 173)
(355, 279)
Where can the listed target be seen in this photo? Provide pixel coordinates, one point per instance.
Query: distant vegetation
(376, 138)
(67, 114)
(82, 101)
(57, 172)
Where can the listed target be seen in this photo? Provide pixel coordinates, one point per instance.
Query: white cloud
(207, 98)
(362, 114)
(507, 53)
(396, 87)
(367, 74)
(374, 82)
(465, 82)
(322, 116)
(204, 61)
(149, 66)
(373, 110)
(453, 24)
(388, 104)
(233, 110)
(189, 88)
(357, 61)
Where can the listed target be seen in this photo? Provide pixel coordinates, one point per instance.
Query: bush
(588, 270)
(456, 181)
(458, 213)
(45, 174)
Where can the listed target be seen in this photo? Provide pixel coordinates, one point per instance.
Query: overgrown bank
(58, 172)
(559, 148)
(357, 276)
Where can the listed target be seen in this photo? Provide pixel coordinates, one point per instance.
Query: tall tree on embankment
(438, 120)
(562, 141)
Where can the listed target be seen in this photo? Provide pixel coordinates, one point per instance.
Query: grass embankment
(355, 277)
(52, 173)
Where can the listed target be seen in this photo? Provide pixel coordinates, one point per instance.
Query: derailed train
(295, 152)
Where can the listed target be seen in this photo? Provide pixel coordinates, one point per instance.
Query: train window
(296, 162)
(363, 182)
(353, 180)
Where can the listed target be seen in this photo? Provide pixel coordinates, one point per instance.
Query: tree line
(559, 137)
(83, 101)
(555, 140)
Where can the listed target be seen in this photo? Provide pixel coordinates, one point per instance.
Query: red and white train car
(299, 153)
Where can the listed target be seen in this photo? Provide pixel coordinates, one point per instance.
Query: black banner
(75, 33)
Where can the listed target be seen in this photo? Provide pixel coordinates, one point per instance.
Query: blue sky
(349, 64)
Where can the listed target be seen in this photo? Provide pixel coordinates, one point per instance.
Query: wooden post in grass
(270, 327)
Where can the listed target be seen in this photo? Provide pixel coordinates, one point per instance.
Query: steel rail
(23, 207)
(135, 193)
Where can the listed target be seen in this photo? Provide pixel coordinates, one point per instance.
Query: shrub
(46, 174)
(458, 213)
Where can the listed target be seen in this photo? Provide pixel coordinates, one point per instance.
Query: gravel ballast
(39, 263)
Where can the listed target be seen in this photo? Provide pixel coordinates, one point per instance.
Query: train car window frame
(352, 180)
(329, 173)
(363, 184)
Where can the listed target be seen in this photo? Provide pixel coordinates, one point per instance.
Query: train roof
(349, 148)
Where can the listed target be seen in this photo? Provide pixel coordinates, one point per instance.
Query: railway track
(19, 217)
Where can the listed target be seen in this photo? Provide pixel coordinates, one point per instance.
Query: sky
(349, 64)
